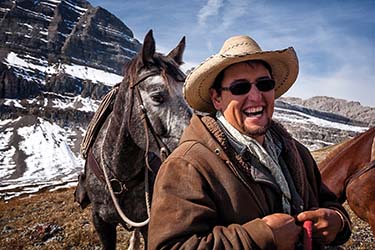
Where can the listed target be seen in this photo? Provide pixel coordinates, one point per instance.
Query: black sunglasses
(242, 87)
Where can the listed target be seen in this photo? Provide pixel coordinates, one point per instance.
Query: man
(238, 180)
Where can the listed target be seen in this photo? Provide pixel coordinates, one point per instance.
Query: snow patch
(78, 71)
(13, 103)
(303, 118)
(7, 164)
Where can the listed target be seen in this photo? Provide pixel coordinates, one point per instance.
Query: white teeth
(255, 109)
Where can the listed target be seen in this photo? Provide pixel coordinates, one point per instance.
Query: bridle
(163, 149)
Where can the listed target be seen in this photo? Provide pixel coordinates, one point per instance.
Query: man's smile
(254, 111)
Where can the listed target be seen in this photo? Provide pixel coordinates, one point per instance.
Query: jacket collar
(207, 131)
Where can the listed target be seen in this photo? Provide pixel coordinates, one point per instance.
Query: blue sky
(334, 40)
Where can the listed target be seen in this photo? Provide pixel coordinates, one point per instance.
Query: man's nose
(254, 94)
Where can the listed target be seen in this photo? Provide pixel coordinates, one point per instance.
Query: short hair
(219, 78)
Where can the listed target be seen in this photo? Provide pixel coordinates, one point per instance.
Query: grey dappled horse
(145, 122)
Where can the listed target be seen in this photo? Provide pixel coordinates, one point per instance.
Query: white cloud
(235, 9)
(353, 83)
(211, 8)
(188, 65)
(337, 65)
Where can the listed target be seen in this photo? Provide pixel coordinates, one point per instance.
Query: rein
(367, 167)
(164, 151)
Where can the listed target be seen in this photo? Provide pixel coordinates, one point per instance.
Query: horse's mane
(160, 61)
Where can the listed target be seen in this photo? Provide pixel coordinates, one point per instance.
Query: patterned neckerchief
(267, 154)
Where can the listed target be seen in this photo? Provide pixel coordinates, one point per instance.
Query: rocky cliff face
(57, 59)
(40, 42)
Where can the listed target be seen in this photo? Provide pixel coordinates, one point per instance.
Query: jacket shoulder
(192, 151)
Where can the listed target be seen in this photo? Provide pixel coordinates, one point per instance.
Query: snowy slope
(50, 160)
(316, 131)
(306, 120)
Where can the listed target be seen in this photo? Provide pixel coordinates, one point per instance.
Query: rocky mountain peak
(99, 31)
(41, 40)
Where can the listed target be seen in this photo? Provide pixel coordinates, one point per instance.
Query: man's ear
(215, 99)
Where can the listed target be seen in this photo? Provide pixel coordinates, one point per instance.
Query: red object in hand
(307, 235)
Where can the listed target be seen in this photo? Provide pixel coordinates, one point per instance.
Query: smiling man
(238, 180)
(249, 109)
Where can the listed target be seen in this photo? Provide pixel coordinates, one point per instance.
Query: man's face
(249, 113)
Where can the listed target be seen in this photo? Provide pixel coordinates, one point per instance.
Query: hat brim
(284, 65)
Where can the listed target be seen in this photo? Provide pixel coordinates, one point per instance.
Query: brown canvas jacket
(204, 200)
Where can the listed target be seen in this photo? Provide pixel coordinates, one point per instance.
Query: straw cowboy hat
(284, 65)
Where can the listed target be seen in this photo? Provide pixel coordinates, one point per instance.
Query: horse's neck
(117, 148)
(344, 161)
(334, 171)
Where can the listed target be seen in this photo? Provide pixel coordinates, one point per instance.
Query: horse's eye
(158, 98)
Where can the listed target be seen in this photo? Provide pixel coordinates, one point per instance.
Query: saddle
(96, 123)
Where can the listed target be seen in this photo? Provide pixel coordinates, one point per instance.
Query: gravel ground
(51, 220)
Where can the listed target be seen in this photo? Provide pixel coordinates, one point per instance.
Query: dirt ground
(51, 220)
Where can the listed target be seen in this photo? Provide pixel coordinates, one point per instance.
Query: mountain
(350, 109)
(61, 46)
(315, 128)
(58, 58)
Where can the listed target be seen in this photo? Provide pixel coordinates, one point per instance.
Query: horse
(143, 124)
(348, 172)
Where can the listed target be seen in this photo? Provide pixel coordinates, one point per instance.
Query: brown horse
(348, 171)
(140, 118)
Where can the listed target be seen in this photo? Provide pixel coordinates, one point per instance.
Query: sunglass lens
(240, 88)
(265, 85)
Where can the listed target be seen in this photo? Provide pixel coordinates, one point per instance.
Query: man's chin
(257, 131)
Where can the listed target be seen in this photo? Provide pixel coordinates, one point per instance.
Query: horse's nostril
(163, 131)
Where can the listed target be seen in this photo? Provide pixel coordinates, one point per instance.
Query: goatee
(258, 131)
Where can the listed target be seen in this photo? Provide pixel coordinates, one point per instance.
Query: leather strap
(117, 184)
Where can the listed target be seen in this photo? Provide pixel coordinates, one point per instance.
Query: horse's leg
(135, 240)
(361, 197)
(106, 232)
(144, 232)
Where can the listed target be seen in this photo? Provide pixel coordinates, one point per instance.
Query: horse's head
(155, 89)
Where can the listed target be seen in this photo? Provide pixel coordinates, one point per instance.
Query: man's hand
(326, 223)
(285, 230)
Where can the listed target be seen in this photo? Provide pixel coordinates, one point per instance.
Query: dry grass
(51, 220)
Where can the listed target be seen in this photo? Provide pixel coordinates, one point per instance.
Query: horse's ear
(148, 48)
(177, 52)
